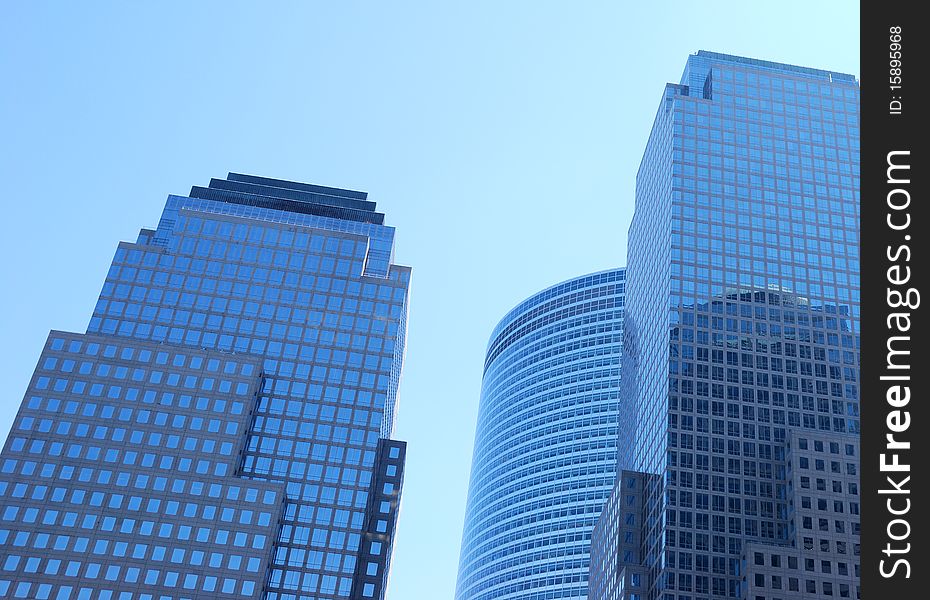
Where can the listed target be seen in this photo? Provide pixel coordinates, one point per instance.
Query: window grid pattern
(746, 220)
(317, 303)
(329, 339)
(380, 528)
(119, 476)
(822, 559)
(545, 446)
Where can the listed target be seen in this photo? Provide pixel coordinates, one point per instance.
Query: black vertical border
(887, 253)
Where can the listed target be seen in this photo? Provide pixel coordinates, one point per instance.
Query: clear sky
(500, 138)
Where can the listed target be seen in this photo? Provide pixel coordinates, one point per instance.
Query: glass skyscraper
(740, 406)
(223, 428)
(545, 447)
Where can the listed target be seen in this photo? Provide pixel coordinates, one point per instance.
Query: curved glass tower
(545, 447)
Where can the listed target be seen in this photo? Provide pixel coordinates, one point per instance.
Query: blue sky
(500, 138)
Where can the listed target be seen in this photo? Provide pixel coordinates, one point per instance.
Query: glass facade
(223, 427)
(742, 341)
(545, 446)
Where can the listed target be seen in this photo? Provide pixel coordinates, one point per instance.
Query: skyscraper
(739, 432)
(223, 428)
(545, 445)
